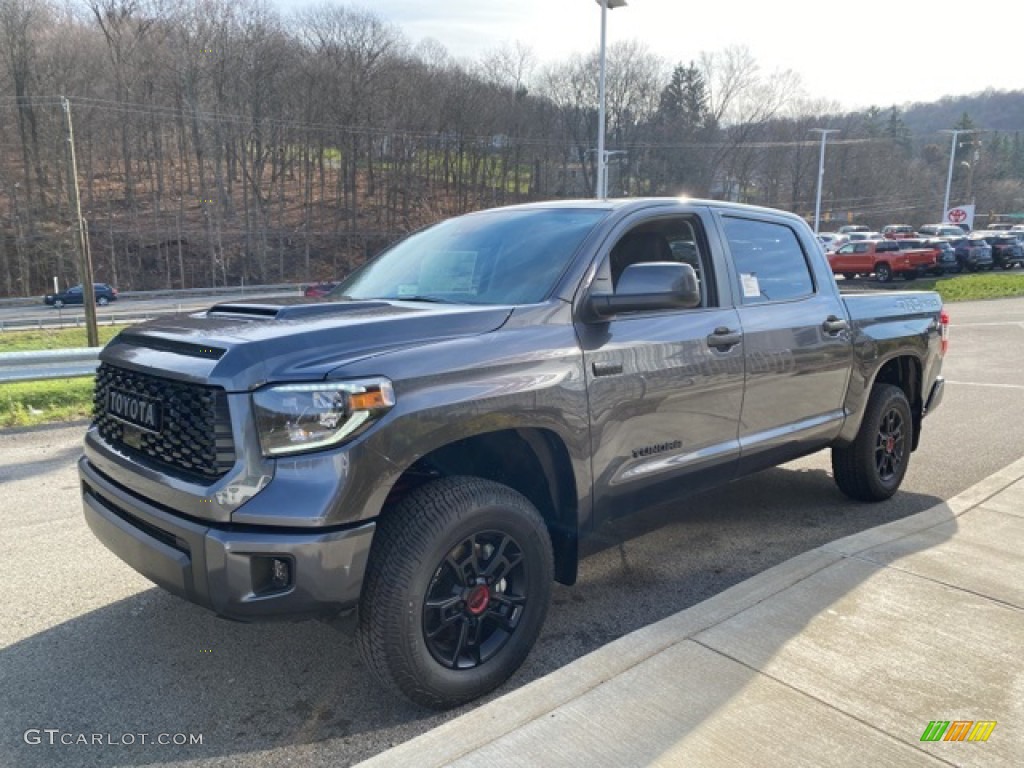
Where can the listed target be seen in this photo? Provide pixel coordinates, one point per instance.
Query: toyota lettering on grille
(138, 410)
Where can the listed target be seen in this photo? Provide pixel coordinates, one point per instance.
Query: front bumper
(223, 567)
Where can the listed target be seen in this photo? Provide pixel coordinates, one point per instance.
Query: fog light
(271, 574)
(280, 573)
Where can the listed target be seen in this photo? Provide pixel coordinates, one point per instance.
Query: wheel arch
(533, 461)
(903, 371)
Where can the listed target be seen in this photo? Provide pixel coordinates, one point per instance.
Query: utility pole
(821, 173)
(84, 257)
(952, 157)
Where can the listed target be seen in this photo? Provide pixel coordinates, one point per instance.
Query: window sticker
(751, 288)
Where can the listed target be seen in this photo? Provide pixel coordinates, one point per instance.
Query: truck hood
(241, 346)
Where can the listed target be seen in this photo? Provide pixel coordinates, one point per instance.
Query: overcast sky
(857, 53)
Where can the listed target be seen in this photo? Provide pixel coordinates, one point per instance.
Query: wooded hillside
(219, 143)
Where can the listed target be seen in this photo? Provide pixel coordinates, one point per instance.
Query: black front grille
(195, 437)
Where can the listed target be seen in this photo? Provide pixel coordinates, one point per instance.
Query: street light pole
(949, 176)
(821, 173)
(601, 190)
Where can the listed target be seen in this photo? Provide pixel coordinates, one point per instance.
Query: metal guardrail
(225, 290)
(38, 323)
(48, 364)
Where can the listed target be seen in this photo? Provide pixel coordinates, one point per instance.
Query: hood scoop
(239, 310)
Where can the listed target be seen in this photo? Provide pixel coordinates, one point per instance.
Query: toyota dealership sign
(961, 214)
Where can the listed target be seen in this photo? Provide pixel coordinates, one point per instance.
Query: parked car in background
(1007, 251)
(898, 231)
(848, 228)
(865, 234)
(881, 257)
(76, 295)
(832, 240)
(316, 290)
(932, 247)
(945, 260)
(972, 253)
(940, 230)
(1000, 227)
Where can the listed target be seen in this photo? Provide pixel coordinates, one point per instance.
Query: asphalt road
(89, 647)
(118, 311)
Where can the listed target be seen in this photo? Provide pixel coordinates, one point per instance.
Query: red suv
(318, 289)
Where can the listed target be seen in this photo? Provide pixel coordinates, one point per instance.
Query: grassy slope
(40, 402)
(24, 341)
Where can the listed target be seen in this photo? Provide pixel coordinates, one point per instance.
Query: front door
(665, 387)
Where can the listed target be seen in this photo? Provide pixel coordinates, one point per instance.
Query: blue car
(76, 295)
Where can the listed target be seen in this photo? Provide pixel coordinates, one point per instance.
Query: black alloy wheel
(475, 600)
(890, 445)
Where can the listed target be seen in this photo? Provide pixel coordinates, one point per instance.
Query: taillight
(944, 331)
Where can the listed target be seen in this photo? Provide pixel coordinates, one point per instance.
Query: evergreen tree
(897, 131)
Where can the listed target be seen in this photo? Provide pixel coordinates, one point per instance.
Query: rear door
(796, 340)
(665, 387)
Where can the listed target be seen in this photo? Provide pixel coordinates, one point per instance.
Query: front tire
(456, 590)
(873, 466)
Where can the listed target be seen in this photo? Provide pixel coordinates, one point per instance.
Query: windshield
(497, 257)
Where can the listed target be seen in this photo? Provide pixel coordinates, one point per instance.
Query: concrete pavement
(841, 656)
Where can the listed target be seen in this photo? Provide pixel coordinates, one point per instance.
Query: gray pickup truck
(430, 443)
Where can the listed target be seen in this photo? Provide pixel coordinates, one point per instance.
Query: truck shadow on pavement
(152, 664)
(29, 469)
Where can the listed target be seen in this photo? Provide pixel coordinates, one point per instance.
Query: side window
(770, 264)
(861, 248)
(679, 239)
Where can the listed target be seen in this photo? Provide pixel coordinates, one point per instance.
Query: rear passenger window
(770, 264)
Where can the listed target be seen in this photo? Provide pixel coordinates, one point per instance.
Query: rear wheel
(872, 467)
(883, 273)
(455, 592)
(103, 301)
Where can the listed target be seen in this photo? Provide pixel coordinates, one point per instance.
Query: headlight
(304, 417)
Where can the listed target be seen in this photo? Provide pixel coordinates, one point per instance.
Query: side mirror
(646, 287)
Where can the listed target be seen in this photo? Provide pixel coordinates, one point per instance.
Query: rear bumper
(226, 568)
(935, 396)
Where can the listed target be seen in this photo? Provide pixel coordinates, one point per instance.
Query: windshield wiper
(431, 299)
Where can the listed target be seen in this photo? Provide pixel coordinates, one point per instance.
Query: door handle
(723, 338)
(834, 325)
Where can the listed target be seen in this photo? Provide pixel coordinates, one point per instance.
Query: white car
(832, 240)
